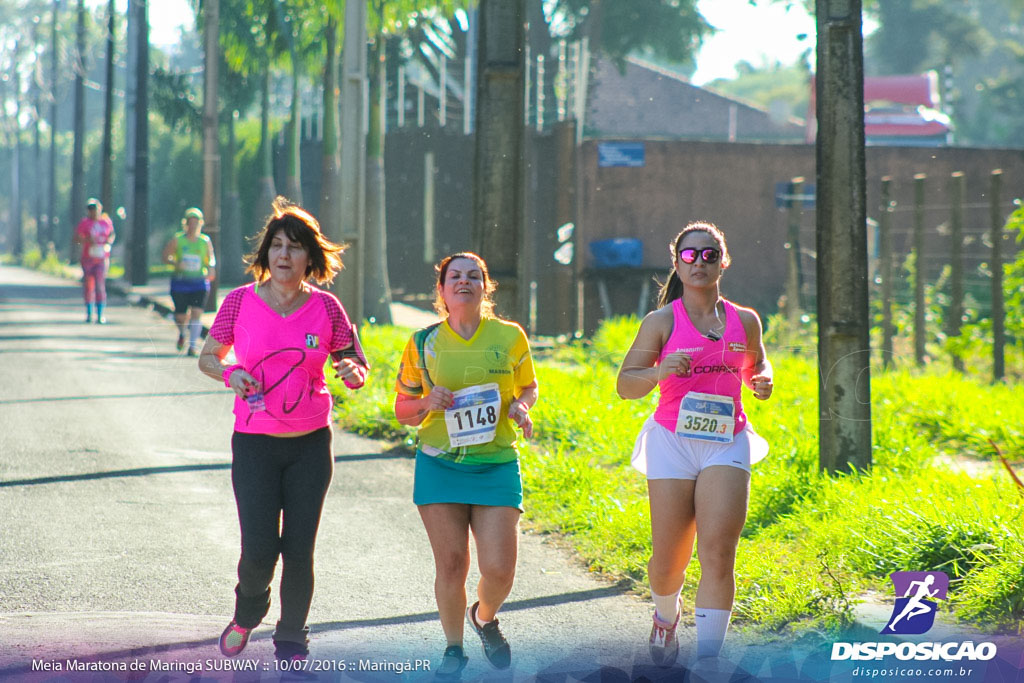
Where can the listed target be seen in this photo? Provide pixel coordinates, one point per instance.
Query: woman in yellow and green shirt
(467, 382)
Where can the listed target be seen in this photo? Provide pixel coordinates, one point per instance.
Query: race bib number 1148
(473, 417)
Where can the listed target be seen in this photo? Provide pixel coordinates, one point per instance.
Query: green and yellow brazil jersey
(192, 256)
(436, 356)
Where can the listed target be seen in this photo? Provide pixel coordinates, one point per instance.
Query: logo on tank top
(312, 341)
(739, 347)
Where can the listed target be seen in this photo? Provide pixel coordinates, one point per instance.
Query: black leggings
(271, 475)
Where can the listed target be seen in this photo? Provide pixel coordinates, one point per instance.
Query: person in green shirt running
(191, 252)
(468, 382)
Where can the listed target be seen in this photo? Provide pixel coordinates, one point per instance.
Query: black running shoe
(453, 661)
(496, 648)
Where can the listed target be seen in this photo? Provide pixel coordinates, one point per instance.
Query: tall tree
(252, 42)
(107, 154)
(77, 158)
(51, 204)
(386, 18)
(670, 29)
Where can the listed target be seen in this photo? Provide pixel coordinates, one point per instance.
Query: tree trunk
(140, 223)
(330, 190)
(211, 144)
(107, 184)
(77, 207)
(37, 105)
(50, 232)
(377, 292)
(293, 182)
(267, 188)
(231, 265)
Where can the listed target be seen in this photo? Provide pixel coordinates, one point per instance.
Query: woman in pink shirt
(282, 330)
(95, 233)
(699, 349)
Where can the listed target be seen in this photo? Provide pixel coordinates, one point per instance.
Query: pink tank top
(286, 355)
(716, 366)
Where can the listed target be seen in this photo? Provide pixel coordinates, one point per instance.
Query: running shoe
(193, 351)
(234, 639)
(181, 342)
(453, 661)
(664, 645)
(102, 320)
(496, 648)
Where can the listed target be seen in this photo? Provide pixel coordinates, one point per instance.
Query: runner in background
(464, 382)
(95, 233)
(191, 253)
(697, 447)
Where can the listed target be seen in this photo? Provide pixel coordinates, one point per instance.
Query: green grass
(812, 543)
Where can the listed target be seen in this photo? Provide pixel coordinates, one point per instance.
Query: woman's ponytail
(670, 290)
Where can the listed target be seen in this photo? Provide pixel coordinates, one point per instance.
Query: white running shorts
(661, 454)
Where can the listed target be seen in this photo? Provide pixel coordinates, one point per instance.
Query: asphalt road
(119, 536)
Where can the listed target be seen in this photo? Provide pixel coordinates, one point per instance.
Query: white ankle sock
(711, 627)
(195, 328)
(666, 607)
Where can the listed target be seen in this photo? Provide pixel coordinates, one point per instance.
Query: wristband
(228, 371)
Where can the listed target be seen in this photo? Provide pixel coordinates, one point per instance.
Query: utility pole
(349, 284)
(497, 229)
(211, 148)
(844, 354)
(107, 180)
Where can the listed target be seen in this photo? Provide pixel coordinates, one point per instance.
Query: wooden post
(886, 268)
(919, 275)
(956, 252)
(998, 308)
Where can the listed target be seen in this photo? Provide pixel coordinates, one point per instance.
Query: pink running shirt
(716, 367)
(94, 234)
(286, 355)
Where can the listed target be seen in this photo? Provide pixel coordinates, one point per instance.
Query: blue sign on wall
(620, 154)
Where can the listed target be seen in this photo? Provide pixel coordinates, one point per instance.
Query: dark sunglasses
(707, 255)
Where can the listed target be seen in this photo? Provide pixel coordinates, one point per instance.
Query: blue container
(618, 252)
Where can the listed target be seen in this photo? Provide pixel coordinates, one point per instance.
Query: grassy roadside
(812, 543)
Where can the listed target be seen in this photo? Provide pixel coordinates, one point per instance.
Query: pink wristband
(228, 371)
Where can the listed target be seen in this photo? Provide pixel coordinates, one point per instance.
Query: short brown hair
(300, 226)
(490, 285)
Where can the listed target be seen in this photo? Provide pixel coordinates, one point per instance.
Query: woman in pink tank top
(697, 447)
(282, 331)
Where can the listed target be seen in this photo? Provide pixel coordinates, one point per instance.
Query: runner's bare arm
(759, 377)
(640, 371)
(412, 410)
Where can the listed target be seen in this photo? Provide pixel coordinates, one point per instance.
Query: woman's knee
(717, 560)
(499, 572)
(452, 566)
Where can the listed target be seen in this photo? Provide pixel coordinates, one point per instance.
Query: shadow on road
(334, 626)
(170, 469)
(93, 397)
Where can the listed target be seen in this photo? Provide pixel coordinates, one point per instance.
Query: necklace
(279, 307)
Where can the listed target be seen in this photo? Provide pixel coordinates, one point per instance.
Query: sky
(760, 34)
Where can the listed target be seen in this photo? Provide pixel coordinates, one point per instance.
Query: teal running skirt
(444, 481)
